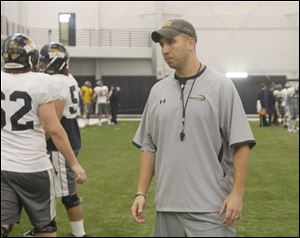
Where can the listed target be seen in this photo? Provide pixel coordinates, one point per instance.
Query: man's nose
(165, 49)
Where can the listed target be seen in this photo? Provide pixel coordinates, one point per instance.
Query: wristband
(140, 194)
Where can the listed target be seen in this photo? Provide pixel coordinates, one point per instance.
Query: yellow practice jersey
(87, 94)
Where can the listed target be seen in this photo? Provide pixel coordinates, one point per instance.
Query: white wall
(126, 67)
(111, 67)
(44, 14)
(126, 14)
(259, 37)
(89, 14)
(110, 52)
(15, 11)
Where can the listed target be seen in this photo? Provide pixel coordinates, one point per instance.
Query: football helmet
(19, 51)
(54, 57)
(88, 84)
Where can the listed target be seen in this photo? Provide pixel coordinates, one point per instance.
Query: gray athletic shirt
(194, 175)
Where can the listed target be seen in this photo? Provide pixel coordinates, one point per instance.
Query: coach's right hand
(137, 209)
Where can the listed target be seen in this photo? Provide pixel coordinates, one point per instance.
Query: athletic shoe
(79, 236)
(28, 233)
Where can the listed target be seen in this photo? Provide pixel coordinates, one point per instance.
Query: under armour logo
(162, 101)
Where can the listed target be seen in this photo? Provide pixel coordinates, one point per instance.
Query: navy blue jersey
(68, 91)
(72, 129)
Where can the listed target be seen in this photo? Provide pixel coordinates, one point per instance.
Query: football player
(27, 112)
(292, 102)
(279, 102)
(101, 98)
(54, 60)
(87, 92)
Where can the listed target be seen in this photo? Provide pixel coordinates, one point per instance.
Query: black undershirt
(182, 81)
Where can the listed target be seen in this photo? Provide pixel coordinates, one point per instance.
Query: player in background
(292, 102)
(279, 102)
(286, 119)
(86, 93)
(101, 98)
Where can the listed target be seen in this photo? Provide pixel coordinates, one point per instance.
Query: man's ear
(191, 43)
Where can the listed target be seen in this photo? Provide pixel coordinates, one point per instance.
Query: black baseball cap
(172, 28)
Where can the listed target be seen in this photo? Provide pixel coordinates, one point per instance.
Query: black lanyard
(184, 106)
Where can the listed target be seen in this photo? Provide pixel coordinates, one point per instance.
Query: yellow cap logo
(168, 24)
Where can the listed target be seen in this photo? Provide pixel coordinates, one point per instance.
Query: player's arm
(107, 94)
(55, 130)
(59, 108)
(146, 172)
(81, 91)
(233, 203)
(94, 96)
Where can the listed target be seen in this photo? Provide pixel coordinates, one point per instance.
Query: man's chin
(173, 66)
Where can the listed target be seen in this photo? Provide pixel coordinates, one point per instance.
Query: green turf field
(271, 205)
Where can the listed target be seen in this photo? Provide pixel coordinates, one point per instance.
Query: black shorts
(32, 191)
